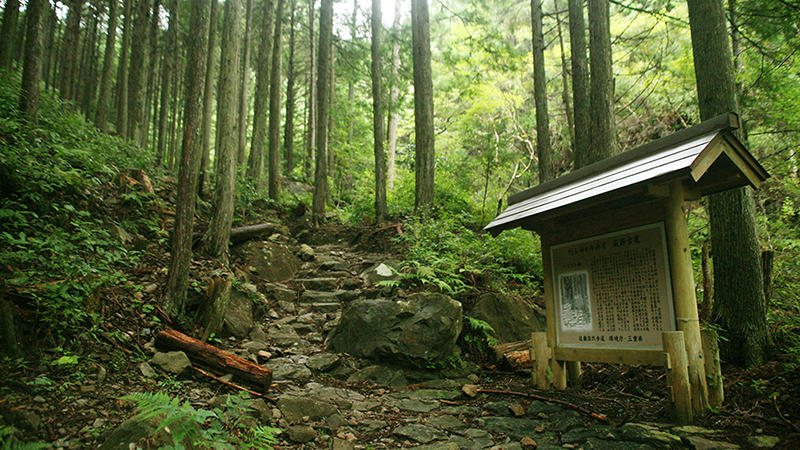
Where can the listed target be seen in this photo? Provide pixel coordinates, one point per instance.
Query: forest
(215, 216)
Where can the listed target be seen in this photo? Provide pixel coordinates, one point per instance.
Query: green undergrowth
(61, 235)
(178, 425)
(452, 254)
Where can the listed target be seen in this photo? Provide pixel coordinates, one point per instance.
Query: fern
(9, 442)
(182, 423)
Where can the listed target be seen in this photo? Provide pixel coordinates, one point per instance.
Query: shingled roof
(707, 156)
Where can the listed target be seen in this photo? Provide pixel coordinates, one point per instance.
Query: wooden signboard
(628, 296)
(613, 291)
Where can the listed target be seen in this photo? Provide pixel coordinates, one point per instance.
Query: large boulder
(238, 319)
(267, 261)
(419, 331)
(512, 318)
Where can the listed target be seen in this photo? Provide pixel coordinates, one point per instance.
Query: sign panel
(614, 290)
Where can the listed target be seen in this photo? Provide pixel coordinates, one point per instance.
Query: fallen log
(515, 354)
(247, 232)
(212, 357)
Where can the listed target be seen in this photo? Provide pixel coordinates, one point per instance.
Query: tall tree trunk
(311, 124)
(255, 164)
(423, 105)
(32, 65)
(181, 254)
(394, 95)
(122, 70)
(580, 76)
(739, 307)
(208, 95)
(602, 140)
(104, 97)
(351, 90)
(245, 78)
(69, 49)
(219, 227)
(155, 19)
(88, 80)
(138, 70)
(8, 33)
(323, 94)
(275, 109)
(167, 68)
(331, 155)
(288, 131)
(543, 146)
(177, 116)
(377, 115)
(50, 27)
(565, 86)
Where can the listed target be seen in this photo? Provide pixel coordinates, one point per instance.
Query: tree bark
(602, 140)
(394, 95)
(543, 147)
(565, 86)
(104, 96)
(274, 183)
(86, 85)
(323, 95)
(311, 125)
(213, 357)
(32, 65)
(69, 49)
(8, 33)
(739, 307)
(153, 65)
(219, 227)
(351, 92)
(288, 131)
(122, 71)
(377, 115)
(243, 89)
(138, 69)
(580, 76)
(50, 26)
(423, 106)
(181, 254)
(167, 67)
(208, 95)
(255, 164)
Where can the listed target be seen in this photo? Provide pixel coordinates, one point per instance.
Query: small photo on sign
(576, 312)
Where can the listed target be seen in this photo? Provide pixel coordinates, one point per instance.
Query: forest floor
(320, 399)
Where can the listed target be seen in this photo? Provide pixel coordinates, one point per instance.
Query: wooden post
(540, 353)
(683, 295)
(558, 371)
(574, 373)
(716, 393)
(678, 376)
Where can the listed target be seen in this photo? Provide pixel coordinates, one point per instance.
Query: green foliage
(445, 252)
(9, 442)
(56, 245)
(188, 427)
(477, 338)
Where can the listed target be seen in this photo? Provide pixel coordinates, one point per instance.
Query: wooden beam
(611, 355)
(683, 295)
(678, 376)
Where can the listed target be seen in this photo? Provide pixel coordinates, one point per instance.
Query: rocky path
(327, 400)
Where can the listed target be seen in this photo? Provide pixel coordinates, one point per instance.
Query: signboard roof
(707, 155)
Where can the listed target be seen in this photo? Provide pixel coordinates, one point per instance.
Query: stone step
(319, 296)
(325, 307)
(318, 284)
(326, 296)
